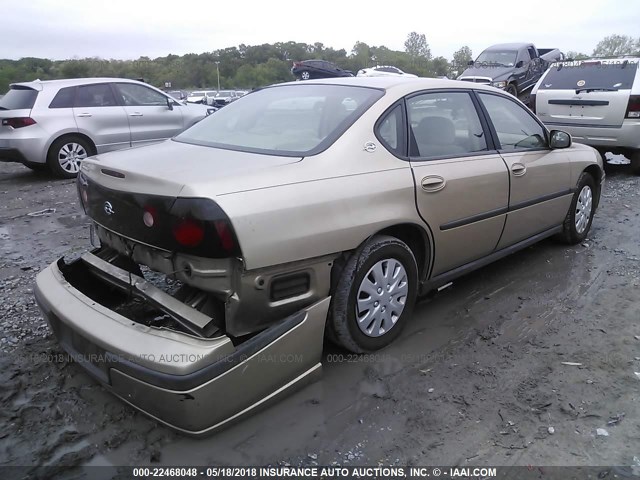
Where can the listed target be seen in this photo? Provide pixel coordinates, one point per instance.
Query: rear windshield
(290, 120)
(18, 99)
(572, 76)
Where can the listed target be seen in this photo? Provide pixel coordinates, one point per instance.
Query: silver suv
(597, 101)
(55, 124)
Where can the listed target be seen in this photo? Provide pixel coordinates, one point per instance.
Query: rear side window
(99, 95)
(18, 99)
(609, 76)
(444, 124)
(64, 98)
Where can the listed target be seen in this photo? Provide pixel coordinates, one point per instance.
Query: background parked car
(224, 97)
(309, 69)
(209, 97)
(383, 71)
(178, 94)
(514, 67)
(597, 101)
(197, 97)
(58, 123)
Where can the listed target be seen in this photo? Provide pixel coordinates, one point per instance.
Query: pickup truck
(514, 67)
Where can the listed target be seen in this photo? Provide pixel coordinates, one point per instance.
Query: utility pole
(218, 70)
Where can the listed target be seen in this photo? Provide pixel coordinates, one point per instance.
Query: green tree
(616, 45)
(418, 49)
(576, 55)
(461, 59)
(439, 67)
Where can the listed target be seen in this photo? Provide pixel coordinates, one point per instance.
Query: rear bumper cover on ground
(195, 385)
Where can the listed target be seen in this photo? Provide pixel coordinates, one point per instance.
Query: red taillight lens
(188, 233)
(18, 122)
(224, 233)
(633, 108)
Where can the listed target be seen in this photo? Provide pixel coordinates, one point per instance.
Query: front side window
(140, 96)
(515, 127)
(284, 120)
(99, 95)
(445, 124)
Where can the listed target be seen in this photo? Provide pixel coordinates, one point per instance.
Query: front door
(540, 177)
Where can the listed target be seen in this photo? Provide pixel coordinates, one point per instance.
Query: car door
(98, 115)
(462, 183)
(540, 178)
(150, 117)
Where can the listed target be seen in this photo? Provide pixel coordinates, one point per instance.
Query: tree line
(253, 66)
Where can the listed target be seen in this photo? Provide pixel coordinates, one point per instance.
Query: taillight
(225, 235)
(532, 102)
(188, 233)
(18, 122)
(633, 107)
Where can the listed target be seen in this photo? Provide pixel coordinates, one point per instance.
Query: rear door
(150, 118)
(98, 115)
(462, 183)
(540, 178)
(586, 94)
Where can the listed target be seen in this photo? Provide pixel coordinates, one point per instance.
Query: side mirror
(470, 63)
(169, 103)
(519, 64)
(559, 139)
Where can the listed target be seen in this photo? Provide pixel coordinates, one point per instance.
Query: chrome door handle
(433, 183)
(84, 115)
(135, 114)
(518, 169)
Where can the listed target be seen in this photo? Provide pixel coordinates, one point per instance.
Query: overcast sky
(127, 29)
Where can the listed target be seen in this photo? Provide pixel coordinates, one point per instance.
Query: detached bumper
(192, 384)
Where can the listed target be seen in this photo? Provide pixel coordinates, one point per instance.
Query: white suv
(55, 124)
(597, 101)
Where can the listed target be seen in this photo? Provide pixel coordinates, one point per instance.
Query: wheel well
(75, 134)
(417, 240)
(414, 236)
(594, 171)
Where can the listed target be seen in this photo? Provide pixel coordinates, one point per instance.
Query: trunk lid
(588, 94)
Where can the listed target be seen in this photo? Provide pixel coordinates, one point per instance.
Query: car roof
(508, 46)
(396, 82)
(71, 82)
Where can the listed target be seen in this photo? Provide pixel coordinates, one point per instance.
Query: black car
(308, 69)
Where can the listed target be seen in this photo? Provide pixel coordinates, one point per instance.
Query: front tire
(305, 75)
(580, 215)
(511, 88)
(374, 296)
(66, 154)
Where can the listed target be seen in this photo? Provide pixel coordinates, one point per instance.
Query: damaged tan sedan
(223, 257)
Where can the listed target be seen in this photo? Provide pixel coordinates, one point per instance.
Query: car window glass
(443, 124)
(64, 98)
(532, 53)
(99, 95)
(284, 120)
(515, 127)
(618, 75)
(18, 98)
(389, 131)
(139, 95)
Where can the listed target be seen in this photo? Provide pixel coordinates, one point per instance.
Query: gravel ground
(529, 361)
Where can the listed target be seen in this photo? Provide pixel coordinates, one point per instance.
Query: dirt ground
(477, 378)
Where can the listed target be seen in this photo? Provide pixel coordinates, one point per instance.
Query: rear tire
(577, 223)
(66, 154)
(305, 75)
(374, 296)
